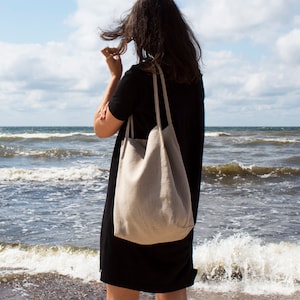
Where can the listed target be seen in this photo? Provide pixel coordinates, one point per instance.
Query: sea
(53, 183)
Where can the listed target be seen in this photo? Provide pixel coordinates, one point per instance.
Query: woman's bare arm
(105, 124)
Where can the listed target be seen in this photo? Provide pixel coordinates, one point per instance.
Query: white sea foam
(52, 174)
(92, 172)
(246, 264)
(42, 135)
(237, 263)
(216, 134)
(69, 261)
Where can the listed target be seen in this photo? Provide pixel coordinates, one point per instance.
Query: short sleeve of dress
(122, 102)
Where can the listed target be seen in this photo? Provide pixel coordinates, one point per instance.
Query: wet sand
(57, 287)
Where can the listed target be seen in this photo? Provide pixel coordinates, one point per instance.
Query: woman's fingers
(110, 52)
(113, 60)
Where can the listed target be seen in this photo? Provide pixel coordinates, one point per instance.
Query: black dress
(163, 267)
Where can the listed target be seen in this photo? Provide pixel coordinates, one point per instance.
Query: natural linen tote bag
(152, 201)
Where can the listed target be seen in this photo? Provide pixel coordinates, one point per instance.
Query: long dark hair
(160, 34)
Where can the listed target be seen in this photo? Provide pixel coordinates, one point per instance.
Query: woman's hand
(102, 110)
(114, 62)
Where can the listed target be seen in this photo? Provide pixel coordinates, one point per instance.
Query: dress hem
(151, 289)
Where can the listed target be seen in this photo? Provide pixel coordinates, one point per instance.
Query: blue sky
(52, 73)
(35, 21)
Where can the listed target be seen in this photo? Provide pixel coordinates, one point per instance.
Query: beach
(55, 286)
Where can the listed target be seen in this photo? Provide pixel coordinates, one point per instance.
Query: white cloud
(249, 84)
(52, 82)
(61, 83)
(92, 15)
(231, 20)
(289, 47)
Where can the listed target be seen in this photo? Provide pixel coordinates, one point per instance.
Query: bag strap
(129, 126)
(156, 103)
(165, 96)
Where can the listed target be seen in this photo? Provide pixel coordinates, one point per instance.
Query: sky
(53, 74)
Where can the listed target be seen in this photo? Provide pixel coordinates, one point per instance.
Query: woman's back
(135, 96)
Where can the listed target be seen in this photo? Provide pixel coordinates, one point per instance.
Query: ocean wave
(10, 152)
(216, 134)
(236, 170)
(270, 141)
(87, 173)
(66, 260)
(44, 136)
(232, 171)
(241, 262)
(58, 135)
(238, 262)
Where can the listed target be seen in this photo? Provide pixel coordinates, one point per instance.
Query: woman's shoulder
(138, 70)
(136, 78)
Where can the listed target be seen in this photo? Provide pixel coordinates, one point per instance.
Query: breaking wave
(236, 262)
(236, 169)
(53, 174)
(233, 171)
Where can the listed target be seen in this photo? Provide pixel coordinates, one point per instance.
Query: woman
(160, 35)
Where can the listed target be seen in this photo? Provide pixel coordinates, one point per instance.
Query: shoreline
(52, 286)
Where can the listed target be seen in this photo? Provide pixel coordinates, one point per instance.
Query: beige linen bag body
(152, 201)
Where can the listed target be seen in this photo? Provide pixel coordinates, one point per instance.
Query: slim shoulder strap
(130, 127)
(165, 95)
